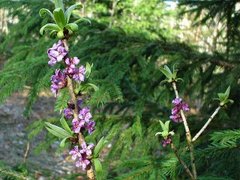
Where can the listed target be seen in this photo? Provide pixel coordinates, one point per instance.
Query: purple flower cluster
(77, 73)
(56, 53)
(59, 81)
(83, 121)
(166, 141)
(81, 156)
(178, 106)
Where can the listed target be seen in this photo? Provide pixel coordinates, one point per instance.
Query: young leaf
(49, 26)
(166, 73)
(55, 133)
(70, 9)
(72, 26)
(59, 17)
(59, 4)
(58, 130)
(62, 143)
(88, 69)
(97, 165)
(162, 125)
(43, 12)
(99, 146)
(93, 86)
(227, 92)
(167, 125)
(83, 19)
(65, 125)
(167, 68)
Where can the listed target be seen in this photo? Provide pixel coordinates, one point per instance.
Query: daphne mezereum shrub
(72, 77)
(178, 116)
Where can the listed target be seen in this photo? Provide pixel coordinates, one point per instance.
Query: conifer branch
(206, 124)
(188, 135)
(182, 162)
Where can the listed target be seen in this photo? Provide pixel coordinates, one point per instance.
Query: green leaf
(83, 19)
(99, 146)
(227, 92)
(88, 69)
(62, 143)
(59, 17)
(166, 73)
(97, 165)
(65, 125)
(72, 26)
(168, 69)
(70, 9)
(59, 4)
(59, 130)
(43, 12)
(167, 125)
(55, 133)
(221, 96)
(162, 125)
(93, 86)
(49, 26)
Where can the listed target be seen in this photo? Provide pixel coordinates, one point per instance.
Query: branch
(188, 135)
(181, 161)
(206, 124)
(90, 172)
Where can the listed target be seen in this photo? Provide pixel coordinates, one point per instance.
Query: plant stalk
(90, 171)
(206, 124)
(188, 135)
(182, 162)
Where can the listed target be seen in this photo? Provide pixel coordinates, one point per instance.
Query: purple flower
(86, 149)
(82, 162)
(79, 74)
(68, 113)
(83, 154)
(85, 114)
(176, 118)
(75, 153)
(176, 111)
(59, 81)
(71, 65)
(90, 126)
(56, 53)
(177, 101)
(185, 107)
(77, 125)
(166, 141)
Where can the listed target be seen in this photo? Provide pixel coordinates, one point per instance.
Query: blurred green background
(127, 41)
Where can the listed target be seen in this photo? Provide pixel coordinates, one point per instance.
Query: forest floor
(13, 136)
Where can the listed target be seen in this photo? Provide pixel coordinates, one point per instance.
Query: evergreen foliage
(131, 98)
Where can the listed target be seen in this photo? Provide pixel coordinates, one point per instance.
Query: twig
(181, 161)
(26, 152)
(188, 135)
(206, 124)
(90, 172)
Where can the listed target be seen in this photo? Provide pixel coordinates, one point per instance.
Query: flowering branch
(71, 77)
(181, 161)
(188, 134)
(206, 124)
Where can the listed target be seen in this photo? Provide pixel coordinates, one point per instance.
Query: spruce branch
(188, 134)
(182, 162)
(206, 124)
